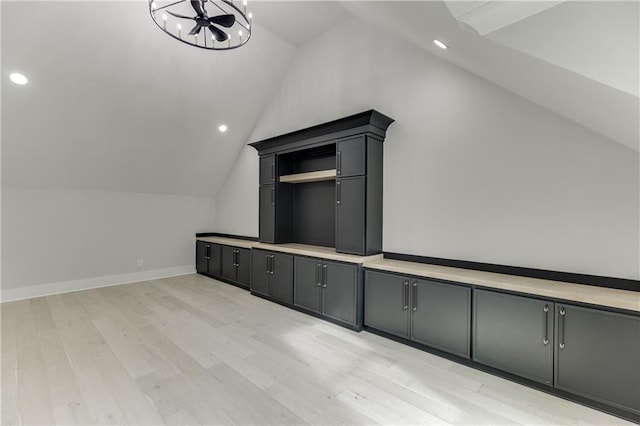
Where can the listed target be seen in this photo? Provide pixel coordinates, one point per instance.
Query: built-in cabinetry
(591, 353)
(597, 355)
(323, 185)
(229, 263)
(429, 312)
(331, 289)
(272, 275)
(514, 334)
(578, 350)
(208, 258)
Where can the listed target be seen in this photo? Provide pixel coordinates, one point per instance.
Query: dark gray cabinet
(350, 215)
(202, 257)
(307, 283)
(236, 263)
(351, 156)
(440, 315)
(386, 303)
(208, 258)
(272, 275)
(339, 292)
(359, 196)
(268, 169)
(260, 272)
(429, 312)
(267, 213)
(597, 355)
(328, 288)
(514, 334)
(353, 145)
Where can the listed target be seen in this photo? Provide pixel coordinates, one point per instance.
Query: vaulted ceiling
(114, 104)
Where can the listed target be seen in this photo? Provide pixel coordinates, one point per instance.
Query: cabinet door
(598, 355)
(268, 169)
(306, 283)
(267, 213)
(202, 263)
(215, 259)
(440, 316)
(351, 157)
(514, 334)
(386, 302)
(260, 277)
(339, 291)
(228, 261)
(282, 277)
(350, 215)
(243, 274)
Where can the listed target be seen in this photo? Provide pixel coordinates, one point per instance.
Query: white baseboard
(95, 282)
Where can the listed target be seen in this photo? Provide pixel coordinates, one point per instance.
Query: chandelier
(208, 24)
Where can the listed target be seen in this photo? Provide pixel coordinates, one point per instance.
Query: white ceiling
(597, 106)
(488, 16)
(599, 40)
(298, 21)
(114, 104)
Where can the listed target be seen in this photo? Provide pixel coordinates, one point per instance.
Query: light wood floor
(191, 350)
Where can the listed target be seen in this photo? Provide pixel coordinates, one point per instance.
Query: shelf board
(309, 176)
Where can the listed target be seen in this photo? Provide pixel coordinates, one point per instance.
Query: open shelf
(309, 176)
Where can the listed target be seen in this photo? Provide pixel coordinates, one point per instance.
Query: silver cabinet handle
(405, 295)
(273, 172)
(338, 193)
(324, 276)
(272, 196)
(318, 269)
(545, 340)
(339, 161)
(207, 252)
(415, 296)
(268, 269)
(272, 264)
(561, 328)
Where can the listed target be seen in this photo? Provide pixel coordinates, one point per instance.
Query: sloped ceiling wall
(114, 104)
(472, 171)
(600, 107)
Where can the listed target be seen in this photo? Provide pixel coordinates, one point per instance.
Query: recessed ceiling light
(440, 44)
(18, 78)
(222, 128)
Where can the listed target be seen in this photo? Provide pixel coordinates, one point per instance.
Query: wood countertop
(328, 253)
(613, 298)
(608, 297)
(228, 241)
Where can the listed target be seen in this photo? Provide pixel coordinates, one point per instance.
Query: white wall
(472, 171)
(239, 195)
(57, 236)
